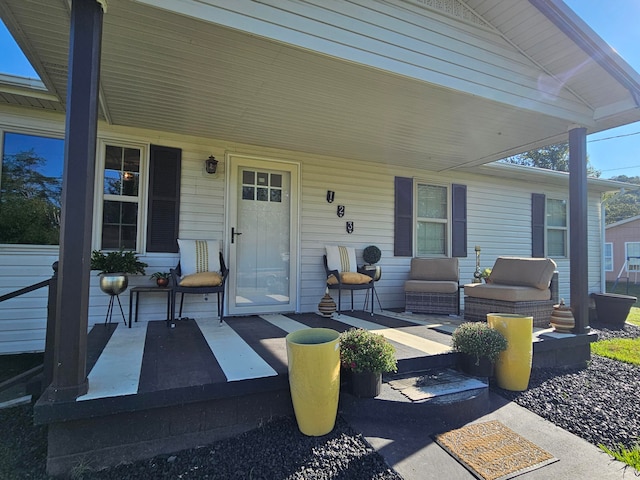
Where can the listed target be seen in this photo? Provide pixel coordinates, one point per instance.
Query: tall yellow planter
(313, 356)
(513, 367)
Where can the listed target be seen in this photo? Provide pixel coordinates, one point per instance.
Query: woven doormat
(492, 451)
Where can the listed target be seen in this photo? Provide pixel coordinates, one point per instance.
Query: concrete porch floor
(154, 389)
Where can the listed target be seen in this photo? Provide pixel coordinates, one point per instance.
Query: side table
(135, 293)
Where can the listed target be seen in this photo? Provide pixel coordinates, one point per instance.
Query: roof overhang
(392, 82)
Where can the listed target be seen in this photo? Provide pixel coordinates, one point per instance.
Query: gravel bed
(600, 403)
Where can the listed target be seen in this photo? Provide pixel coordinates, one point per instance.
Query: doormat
(492, 451)
(435, 384)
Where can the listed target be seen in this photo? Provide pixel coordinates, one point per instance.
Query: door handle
(233, 234)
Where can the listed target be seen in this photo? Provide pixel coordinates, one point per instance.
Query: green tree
(620, 206)
(551, 157)
(29, 201)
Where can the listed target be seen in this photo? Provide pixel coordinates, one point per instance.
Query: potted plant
(161, 278)
(371, 255)
(485, 274)
(113, 268)
(479, 347)
(364, 357)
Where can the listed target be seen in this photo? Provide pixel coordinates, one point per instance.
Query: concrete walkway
(400, 430)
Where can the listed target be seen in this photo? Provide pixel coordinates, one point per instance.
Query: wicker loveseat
(432, 286)
(524, 286)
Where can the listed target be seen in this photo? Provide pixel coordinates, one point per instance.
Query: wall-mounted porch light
(211, 165)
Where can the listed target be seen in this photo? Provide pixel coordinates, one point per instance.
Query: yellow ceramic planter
(313, 356)
(513, 367)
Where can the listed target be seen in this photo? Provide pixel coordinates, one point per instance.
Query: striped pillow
(342, 259)
(197, 256)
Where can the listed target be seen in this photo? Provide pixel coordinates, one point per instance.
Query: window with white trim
(608, 257)
(632, 255)
(556, 226)
(432, 220)
(121, 197)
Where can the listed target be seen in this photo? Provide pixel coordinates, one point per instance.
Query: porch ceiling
(172, 73)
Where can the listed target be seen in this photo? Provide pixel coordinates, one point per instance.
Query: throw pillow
(204, 279)
(342, 259)
(197, 256)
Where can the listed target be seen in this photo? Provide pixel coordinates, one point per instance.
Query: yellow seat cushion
(351, 278)
(203, 279)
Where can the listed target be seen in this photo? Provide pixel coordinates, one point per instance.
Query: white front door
(263, 235)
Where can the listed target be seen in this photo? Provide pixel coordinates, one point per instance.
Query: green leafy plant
(486, 273)
(630, 456)
(371, 254)
(478, 339)
(157, 275)
(117, 262)
(364, 351)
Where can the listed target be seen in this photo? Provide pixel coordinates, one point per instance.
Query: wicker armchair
(432, 286)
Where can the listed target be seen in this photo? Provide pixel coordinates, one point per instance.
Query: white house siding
(499, 221)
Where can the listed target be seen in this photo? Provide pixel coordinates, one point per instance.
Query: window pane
(31, 189)
(119, 225)
(432, 201)
(121, 173)
(431, 239)
(633, 256)
(263, 194)
(247, 193)
(556, 241)
(608, 257)
(276, 195)
(556, 213)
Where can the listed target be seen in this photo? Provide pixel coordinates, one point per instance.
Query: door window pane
(31, 189)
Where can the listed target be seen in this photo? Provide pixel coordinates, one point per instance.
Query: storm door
(262, 233)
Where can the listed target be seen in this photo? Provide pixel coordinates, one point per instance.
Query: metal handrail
(47, 366)
(22, 291)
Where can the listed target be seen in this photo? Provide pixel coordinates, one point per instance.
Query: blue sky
(614, 152)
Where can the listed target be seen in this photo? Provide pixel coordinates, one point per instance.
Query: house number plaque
(340, 210)
(349, 227)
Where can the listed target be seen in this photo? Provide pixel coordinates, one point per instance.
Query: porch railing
(47, 367)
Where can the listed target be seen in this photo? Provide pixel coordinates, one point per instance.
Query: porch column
(578, 247)
(70, 351)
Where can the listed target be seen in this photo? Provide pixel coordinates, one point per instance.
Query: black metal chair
(200, 290)
(340, 286)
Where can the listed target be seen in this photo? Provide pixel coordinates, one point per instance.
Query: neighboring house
(395, 106)
(622, 250)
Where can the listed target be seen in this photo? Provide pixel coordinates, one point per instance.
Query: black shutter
(458, 220)
(164, 199)
(403, 218)
(538, 211)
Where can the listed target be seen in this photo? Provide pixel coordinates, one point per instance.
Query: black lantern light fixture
(211, 165)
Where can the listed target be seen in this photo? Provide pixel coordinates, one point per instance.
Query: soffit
(172, 73)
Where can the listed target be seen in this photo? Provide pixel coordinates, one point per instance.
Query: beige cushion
(204, 279)
(197, 256)
(350, 278)
(508, 293)
(426, 286)
(342, 259)
(526, 272)
(441, 269)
